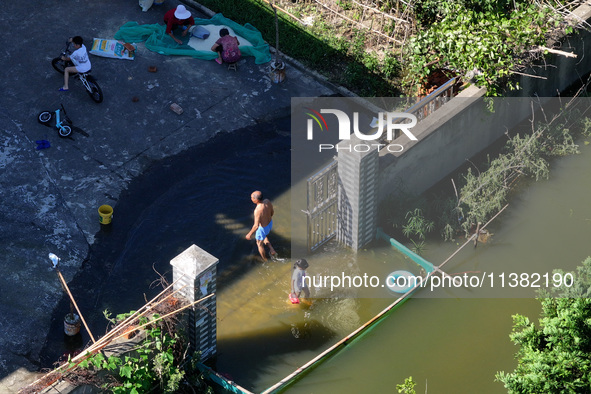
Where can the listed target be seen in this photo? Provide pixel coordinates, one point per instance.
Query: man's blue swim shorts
(262, 232)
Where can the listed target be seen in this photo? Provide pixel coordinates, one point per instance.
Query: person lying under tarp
(156, 39)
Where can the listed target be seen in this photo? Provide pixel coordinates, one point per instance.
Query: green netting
(157, 40)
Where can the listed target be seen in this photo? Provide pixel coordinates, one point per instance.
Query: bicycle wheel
(64, 130)
(59, 65)
(95, 91)
(45, 117)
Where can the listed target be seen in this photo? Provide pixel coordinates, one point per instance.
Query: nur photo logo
(386, 122)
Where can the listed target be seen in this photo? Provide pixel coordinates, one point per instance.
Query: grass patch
(343, 61)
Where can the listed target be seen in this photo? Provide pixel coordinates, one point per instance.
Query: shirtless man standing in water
(263, 222)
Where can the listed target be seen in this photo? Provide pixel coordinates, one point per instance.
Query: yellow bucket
(105, 214)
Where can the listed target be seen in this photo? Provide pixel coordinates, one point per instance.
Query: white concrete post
(198, 270)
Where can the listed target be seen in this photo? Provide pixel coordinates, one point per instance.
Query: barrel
(71, 324)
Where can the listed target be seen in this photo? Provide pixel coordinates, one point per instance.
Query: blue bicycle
(63, 124)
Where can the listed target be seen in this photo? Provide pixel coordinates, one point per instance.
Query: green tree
(556, 356)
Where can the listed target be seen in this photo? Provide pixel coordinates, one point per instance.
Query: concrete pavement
(50, 197)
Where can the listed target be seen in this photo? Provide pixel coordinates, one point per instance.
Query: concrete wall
(463, 127)
(457, 131)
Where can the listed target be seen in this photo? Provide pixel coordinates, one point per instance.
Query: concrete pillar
(200, 270)
(357, 200)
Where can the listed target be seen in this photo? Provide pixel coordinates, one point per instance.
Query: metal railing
(430, 103)
(433, 101)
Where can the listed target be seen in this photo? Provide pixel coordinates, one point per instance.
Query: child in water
(298, 284)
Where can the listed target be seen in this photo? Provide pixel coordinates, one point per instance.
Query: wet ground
(51, 196)
(201, 197)
(198, 197)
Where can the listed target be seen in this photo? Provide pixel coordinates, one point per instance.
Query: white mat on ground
(214, 34)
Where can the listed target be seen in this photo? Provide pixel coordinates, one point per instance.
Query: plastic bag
(146, 4)
(199, 32)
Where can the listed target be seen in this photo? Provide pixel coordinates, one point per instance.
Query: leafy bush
(487, 38)
(155, 363)
(556, 357)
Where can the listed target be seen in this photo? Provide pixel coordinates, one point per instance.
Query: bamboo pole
(169, 314)
(555, 51)
(381, 12)
(103, 341)
(106, 338)
(144, 309)
(277, 52)
(527, 75)
(477, 234)
(470, 239)
(357, 23)
(285, 12)
(61, 277)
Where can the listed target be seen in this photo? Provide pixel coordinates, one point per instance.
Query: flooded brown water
(449, 345)
(451, 341)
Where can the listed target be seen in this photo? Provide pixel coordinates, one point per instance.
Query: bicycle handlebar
(67, 50)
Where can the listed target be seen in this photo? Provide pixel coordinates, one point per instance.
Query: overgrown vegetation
(157, 364)
(416, 229)
(486, 39)
(556, 356)
(483, 192)
(408, 387)
(389, 48)
(341, 58)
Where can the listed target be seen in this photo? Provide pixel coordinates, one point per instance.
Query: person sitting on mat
(176, 17)
(227, 48)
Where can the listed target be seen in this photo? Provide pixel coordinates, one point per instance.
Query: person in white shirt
(80, 59)
(298, 283)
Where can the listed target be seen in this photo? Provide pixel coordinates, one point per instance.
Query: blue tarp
(157, 40)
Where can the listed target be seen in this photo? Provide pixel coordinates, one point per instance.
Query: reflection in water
(271, 337)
